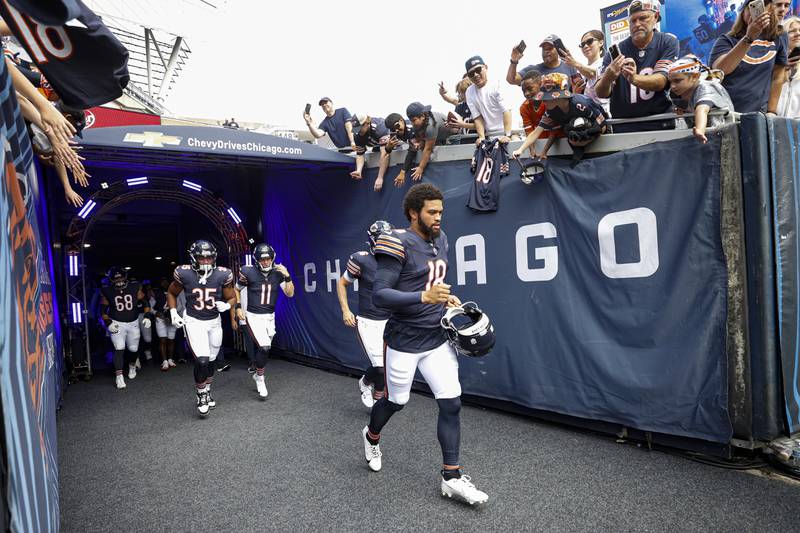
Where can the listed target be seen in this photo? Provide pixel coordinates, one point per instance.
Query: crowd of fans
(753, 67)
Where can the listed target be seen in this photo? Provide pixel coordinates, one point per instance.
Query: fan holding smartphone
(551, 62)
(789, 101)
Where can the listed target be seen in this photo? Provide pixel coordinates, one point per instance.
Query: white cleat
(366, 393)
(171, 363)
(371, 453)
(120, 382)
(164, 366)
(202, 403)
(463, 489)
(137, 364)
(211, 402)
(261, 386)
(132, 371)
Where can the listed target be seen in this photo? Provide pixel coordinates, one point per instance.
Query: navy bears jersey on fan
(579, 106)
(201, 298)
(489, 164)
(123, 304)
(85, 62)
(629, 101)
(262, 289)
(362, 266)
(416, 327)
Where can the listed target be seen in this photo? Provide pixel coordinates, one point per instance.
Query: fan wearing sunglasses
(492, 118)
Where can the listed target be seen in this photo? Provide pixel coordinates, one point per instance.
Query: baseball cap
(550, 39)
(392, 120)
(645, 5)
(416, 109)
(324, 99)
(472, 62)
(555, 85)
(358, 119)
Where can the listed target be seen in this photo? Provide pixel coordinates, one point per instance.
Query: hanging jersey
(628, 101)
(362, 266)
(489, 164)
(123, 304)
(201, 298)
(262, 289)
(416, 327)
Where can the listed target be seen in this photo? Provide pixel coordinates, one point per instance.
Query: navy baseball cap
(416, 109)
(473, 62)
(324, 99)
(392, 120)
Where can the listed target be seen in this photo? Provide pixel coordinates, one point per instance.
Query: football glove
(175, 318)
(222, 306)
(113, 327)
(146, 323)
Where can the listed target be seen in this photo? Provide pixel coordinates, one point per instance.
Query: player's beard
(429, 232)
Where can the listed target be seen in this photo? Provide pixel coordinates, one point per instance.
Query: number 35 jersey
(122, 302)
(201, 299)
(262, 289)
(424, 263)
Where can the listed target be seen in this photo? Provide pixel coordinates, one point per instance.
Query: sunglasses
(475, 72)
(587, 42)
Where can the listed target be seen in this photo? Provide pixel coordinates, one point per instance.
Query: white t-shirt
(590, 92)
(789, 102)
(487, 103)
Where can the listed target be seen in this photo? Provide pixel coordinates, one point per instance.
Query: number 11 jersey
(201, 298)
(262, 289)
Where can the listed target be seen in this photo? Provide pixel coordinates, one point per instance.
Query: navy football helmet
(264, 251)
(376, 229)
(118, 277)
(199, 249)
(531, 171)
(469, 329)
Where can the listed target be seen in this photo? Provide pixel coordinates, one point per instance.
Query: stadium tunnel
(155, 189)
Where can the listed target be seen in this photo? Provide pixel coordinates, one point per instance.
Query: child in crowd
(699, 90)
(580, 117)
(532, 110)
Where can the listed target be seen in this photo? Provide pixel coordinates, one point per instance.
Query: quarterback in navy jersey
(120, 302)
(412, 265)
(209, 291)
(262, 281)
(636, 81)
(371, 320)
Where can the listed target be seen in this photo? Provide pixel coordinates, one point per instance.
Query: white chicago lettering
(332, 275)
(547, 254)
(310, 285)
(647, 232)
(477, 265)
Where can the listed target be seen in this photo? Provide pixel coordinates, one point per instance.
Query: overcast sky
(262, 61)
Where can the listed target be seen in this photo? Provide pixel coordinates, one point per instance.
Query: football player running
(371, 320)
(119, 303)
(164, 327)
(209, 291)
(262, 281)
(412, 265)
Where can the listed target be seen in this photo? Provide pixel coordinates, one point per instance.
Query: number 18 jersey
(416, 327)
(122, 303)
(201, 298)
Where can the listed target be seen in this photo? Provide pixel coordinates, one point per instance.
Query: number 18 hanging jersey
(489, 164)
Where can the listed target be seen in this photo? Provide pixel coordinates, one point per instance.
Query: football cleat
(212, 403)
(261, 386)
(164, 366)
(171, 363)
(463, 489)
(224, 367)
(366, 393)
(131, 371)
(372, 453)
(202, 403)
(120, 382)
(137, 364)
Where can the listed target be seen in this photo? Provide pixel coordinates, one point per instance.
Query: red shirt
(532, 112)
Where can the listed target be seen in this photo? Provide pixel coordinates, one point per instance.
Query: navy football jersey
(160, 296)
(362, 266)
(416, 328)
(123, 304)
(579, 106)
(262, 289)
(489, 164)
(201, 298)
(628, 101)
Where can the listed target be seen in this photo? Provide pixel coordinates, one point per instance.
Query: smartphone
(756, 8)
(308, 109)
(560, 48)
(521, 46)
(794, 53)
(614, 51)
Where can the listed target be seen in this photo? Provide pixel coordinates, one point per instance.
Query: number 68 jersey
(201, 299)
(424, 264)
(122, 303)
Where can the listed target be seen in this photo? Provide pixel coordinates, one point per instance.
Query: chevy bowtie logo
(152, 139)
